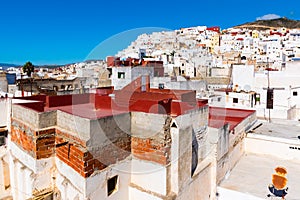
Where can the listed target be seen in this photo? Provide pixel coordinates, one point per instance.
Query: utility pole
(270, 92)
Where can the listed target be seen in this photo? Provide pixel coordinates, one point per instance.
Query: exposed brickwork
(22, 135)
(39, 144)
(74, 152)
(69, 148)
(77, 157)
(112, 153)
(45, 143)
(146, 149)
(73, 138)
(156, 149)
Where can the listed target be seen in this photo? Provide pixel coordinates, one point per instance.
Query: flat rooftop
(287, 129)
(253, 174)
(218, 116)
(135, 97)
(87, 110)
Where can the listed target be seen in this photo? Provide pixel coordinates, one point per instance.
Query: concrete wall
(109, 140)
(72, 186)
(96, 186)
(181, 154)
(272, 146)
(149, 176)
(200, 188)
(26, 115)
(74, 125)
(47, 119)
(142, 124)
(230, 145)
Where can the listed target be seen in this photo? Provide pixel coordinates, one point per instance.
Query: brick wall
(155, 148)
(44, 141)
(22, 135)
(86, 160)
(77, 157)
(39, 144)
(151, 150)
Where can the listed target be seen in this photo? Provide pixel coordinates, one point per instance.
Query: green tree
(28, 68)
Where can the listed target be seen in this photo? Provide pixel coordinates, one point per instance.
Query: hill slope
(271, 24)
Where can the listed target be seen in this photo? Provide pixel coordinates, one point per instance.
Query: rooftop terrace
(107, 101)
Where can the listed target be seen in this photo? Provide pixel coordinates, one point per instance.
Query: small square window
(235, 100)
(161, 86)
(295, 93)
(112, 185)
(121, 75)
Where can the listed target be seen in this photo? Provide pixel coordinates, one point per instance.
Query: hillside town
(194, 113)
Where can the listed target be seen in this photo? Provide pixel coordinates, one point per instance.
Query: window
(161, 86)
(121, 75)
(112, 185)
(235, 100)
(295, 93)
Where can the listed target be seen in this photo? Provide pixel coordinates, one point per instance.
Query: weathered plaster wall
(5, 112)
(151, 177)
(36, 174)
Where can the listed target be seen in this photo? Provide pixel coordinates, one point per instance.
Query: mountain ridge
(271, 24)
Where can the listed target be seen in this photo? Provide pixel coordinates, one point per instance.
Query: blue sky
(59, 32)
